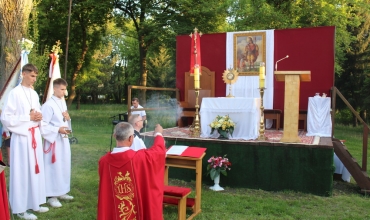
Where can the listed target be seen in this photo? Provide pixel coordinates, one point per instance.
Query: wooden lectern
(291, 101)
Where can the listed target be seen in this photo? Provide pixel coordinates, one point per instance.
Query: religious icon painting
(249, 52)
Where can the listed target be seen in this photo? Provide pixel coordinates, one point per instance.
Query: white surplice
(27, 189)
(138, 144)
(57, 174)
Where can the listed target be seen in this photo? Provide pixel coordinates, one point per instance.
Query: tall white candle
(262, 75)
(196, 78)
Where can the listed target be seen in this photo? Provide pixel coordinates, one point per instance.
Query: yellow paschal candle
(196, 78)
(262, 75)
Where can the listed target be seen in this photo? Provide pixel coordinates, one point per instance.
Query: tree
(13, 26)
(355, 79)
(160, 67)
(157, 23)
(88, 24)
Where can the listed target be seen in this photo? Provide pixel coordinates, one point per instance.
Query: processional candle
(262, 75)
(196, 78)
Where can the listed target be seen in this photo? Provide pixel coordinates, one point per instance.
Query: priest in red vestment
(131, 182)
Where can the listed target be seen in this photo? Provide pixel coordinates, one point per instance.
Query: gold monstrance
(230, 76)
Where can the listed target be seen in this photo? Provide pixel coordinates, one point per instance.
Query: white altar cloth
(341, 169)
(245, 112)
(318, 117)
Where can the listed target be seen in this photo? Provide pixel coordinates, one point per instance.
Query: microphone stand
(111, 137)
(287, 56)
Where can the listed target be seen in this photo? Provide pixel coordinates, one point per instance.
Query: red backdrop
(308, 49)
(213, 48)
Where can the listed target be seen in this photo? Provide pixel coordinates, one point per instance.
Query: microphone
(280, 60)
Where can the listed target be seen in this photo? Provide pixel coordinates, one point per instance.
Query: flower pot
(217, 186)
(223, 134)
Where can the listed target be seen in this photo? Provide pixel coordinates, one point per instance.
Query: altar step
(361, 177)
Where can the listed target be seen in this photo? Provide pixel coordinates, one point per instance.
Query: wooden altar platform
(269, 165)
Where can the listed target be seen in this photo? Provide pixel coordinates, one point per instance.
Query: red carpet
(272, 135)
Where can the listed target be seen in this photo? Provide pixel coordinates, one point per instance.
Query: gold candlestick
(262, 136)
(195, 127)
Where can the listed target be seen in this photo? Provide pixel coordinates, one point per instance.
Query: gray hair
(123, 131)
(133, 118)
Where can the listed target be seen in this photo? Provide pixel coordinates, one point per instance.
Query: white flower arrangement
(223, 124)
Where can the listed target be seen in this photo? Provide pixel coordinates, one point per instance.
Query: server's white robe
(138, 144)
(57, 174)
(26, 188)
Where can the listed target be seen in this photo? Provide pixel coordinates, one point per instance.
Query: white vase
(217, 186)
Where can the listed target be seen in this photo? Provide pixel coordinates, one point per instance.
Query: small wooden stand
(291, 101)
(188, 163)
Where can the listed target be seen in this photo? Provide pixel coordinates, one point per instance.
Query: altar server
(137, 123)
(57, 149)
(136, 105)
(22, 116)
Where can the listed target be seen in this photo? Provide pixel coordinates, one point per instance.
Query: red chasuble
(4, 208)
(131, 184)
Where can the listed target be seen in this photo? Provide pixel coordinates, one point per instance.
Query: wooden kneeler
(175, 195)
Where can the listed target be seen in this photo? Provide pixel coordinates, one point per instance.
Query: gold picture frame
(249, 52)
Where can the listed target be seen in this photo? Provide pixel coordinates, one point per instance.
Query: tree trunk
(144, 72)
(72, 95)
(78, 99)
(355, 121)
(14, 16)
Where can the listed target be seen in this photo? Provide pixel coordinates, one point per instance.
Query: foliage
(157, 25)
(222, 124)
(344, 117)
(217, 165)
(88, 24)
(354, 81)
(13, 25)
(161, 70)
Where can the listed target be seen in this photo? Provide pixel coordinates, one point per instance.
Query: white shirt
(120, 149)
(141, 113)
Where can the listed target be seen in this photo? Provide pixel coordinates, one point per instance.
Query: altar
(245, 112)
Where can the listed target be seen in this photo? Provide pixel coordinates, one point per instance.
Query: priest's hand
(35, 116)
(158, 129)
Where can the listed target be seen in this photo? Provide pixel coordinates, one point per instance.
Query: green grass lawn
(92, 127)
